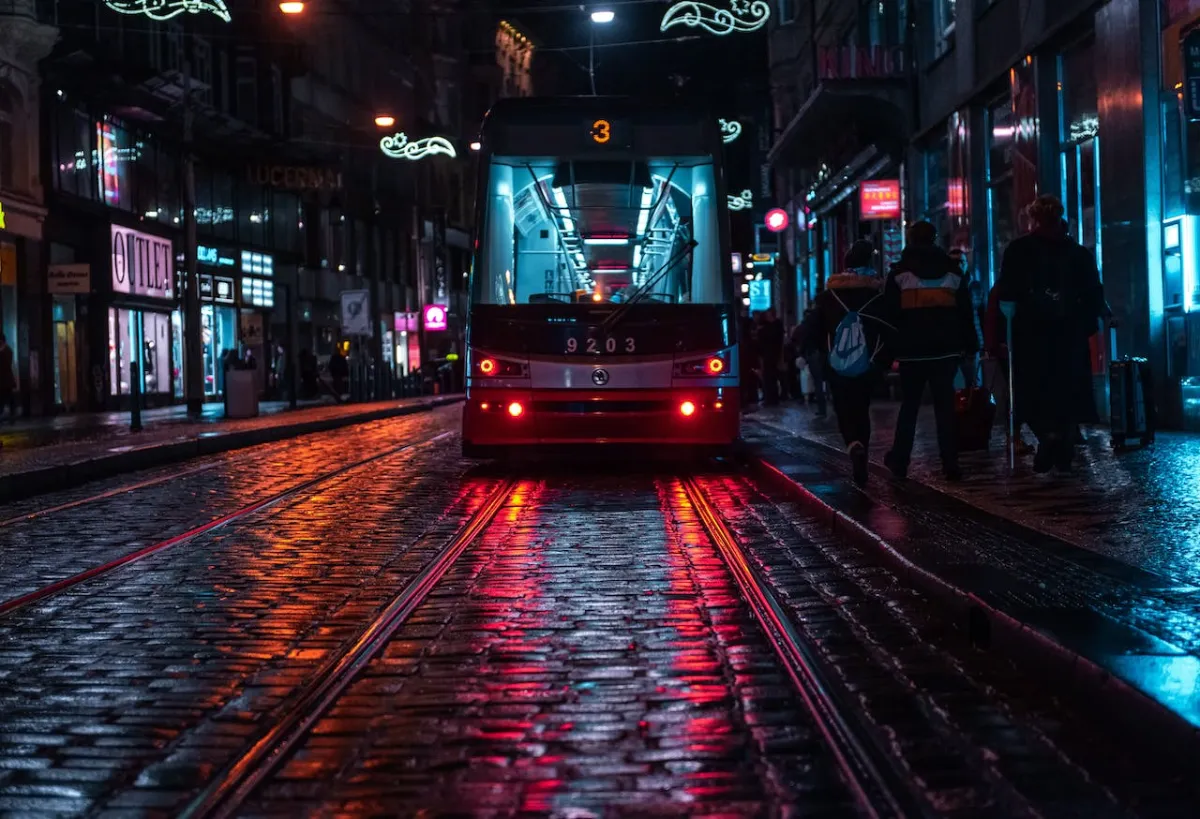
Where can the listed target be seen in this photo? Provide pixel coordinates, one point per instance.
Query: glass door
(66, 376)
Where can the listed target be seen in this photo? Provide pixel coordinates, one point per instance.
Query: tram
(602, 306)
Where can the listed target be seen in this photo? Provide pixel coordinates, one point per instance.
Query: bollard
(135, 396)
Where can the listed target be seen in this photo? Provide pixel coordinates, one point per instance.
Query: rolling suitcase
(1131, 402)
(975, 411)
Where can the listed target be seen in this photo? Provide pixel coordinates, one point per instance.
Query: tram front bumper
(689, 417)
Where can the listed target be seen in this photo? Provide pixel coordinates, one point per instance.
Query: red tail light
(515, 409)
(715, 366)
(687, 409)
(487, 366)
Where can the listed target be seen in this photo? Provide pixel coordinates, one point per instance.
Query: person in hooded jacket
(1052, 288)
(929, 302)
(858, 289)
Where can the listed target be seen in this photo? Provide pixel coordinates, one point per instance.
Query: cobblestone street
(358, 622)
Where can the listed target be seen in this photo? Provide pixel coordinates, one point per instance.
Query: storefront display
(140, 321)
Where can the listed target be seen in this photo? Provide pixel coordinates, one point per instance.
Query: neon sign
(742, 16)
(741, 201)
(777, 220)
(435, 317)
(166, 9)
(397, 146)
(731, 129)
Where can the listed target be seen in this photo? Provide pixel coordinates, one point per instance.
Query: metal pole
(293, 352)
(135, 371)
(418, 231)
(1012, 398)
(193, 352)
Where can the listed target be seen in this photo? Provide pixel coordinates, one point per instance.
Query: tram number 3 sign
(598, 346)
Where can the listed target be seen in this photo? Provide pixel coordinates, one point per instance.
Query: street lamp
(475, 146)
(599, 17)
(292, 7)
(385, 120)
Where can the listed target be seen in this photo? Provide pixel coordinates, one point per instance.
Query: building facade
(981, 105)
(295, 204)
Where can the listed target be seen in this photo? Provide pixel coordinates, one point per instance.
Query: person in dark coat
(8, 380)
(1050, 285)
(858, 289)
(770, 351)
(929, 303)
(812, 350)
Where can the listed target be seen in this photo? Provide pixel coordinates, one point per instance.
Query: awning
(871, 111)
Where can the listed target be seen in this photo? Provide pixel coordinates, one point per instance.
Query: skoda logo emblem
(599, 377)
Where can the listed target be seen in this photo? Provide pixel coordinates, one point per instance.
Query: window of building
(246, 96)
(7, 148)
(943, 26)
(277, 100)
(1079, 140)
(202, 70)
(787, 11)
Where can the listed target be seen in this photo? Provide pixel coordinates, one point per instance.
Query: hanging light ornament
(397, 146)
(731, 129)
(742, 16)
(166, 9)
(742, 201)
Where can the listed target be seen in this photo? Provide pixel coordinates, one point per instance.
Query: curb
(1140, 717)
(24, 485)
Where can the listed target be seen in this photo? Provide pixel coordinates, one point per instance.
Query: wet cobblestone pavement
(589, 654)
(194, 494)
(1141, 506)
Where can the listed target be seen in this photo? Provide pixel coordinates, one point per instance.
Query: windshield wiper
(615, 317)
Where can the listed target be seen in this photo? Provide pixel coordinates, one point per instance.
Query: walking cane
(1008, 308)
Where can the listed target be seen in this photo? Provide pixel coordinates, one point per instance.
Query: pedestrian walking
(970, 361)
(8, 380)
(928, 301)
(1050, 285)
(847, 320)
(812, 350)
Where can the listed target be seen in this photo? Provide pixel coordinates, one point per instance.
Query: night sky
(721, 69)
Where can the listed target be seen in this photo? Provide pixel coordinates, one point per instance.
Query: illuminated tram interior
(567, 232)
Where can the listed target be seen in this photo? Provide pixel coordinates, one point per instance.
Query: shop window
(222, 223)
(1080, 144)
(285, 227)
(202, 69)
(254, 214)
(1001, 200)
(146, 182)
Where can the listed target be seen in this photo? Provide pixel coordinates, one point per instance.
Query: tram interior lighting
(687, 409)
(606, 240)
(515, 409)
(644, 214)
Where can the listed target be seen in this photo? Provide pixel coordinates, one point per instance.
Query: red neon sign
(435, 317)
(879, 199)
(777, 220)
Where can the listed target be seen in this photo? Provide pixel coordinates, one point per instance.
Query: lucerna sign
(142, 264)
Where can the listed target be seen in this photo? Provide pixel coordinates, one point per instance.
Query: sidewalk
(65, 451)
(1091, 579)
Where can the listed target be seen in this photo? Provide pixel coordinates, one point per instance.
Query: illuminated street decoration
(741, 17)
(741, 201)
(166, 9)
(731, 129)
(397, 146)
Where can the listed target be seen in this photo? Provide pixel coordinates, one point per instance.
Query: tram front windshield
(597, 232)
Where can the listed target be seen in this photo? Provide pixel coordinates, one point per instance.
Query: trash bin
(241, 394)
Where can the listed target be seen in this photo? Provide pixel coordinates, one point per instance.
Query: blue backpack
(849, 355)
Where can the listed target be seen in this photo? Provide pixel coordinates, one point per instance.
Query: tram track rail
(229, 789)
(21, 601)
(879, 785)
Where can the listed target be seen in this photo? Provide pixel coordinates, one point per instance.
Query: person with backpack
(846, 321)
(928, 300)
(1051, 286)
